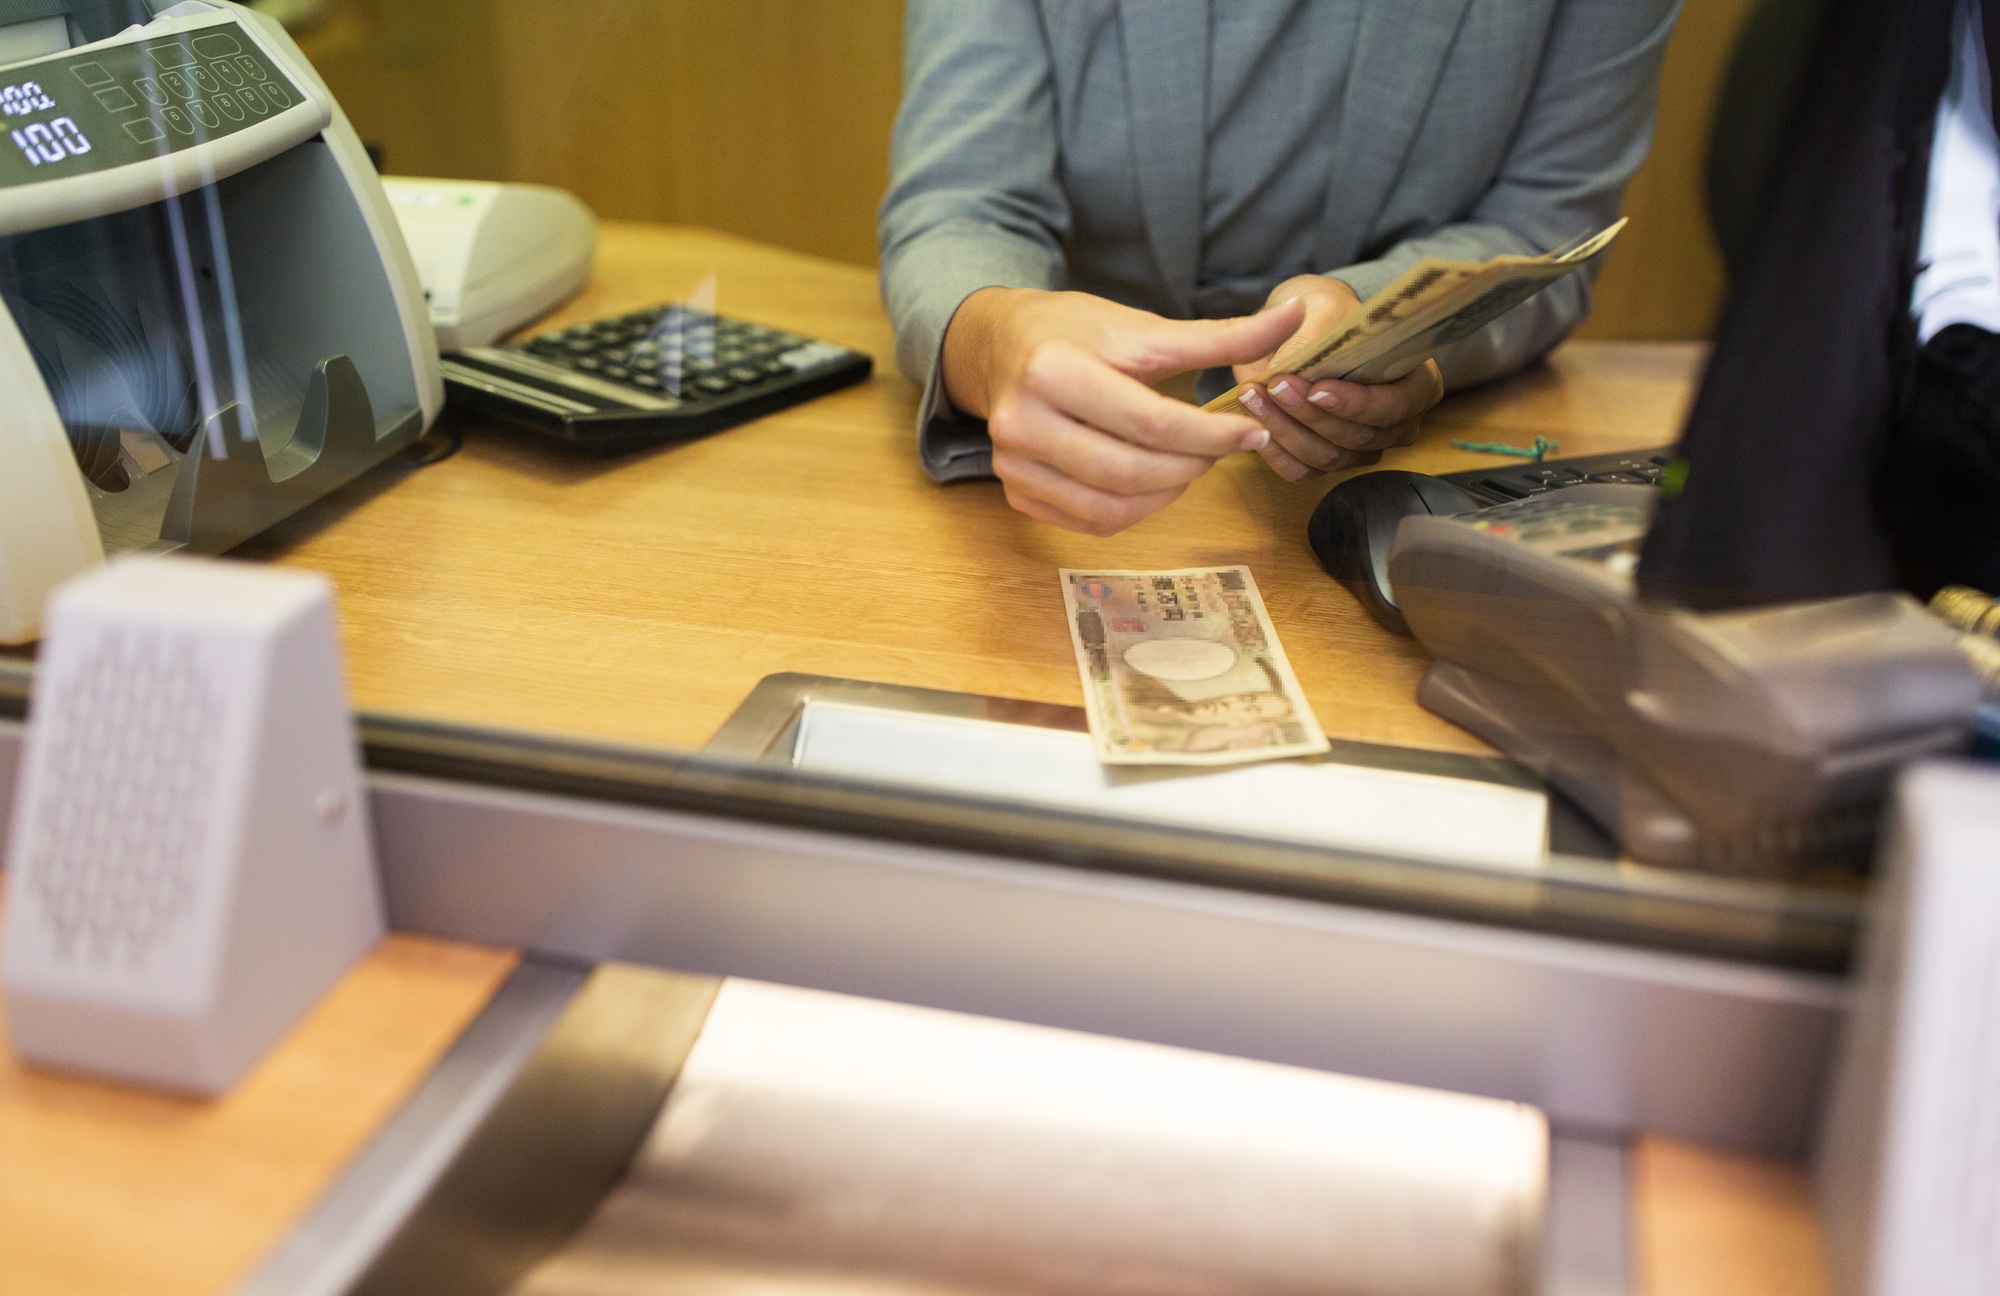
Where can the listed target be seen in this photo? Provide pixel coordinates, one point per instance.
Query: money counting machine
(210, 318)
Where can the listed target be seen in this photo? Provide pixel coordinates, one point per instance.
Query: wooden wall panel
(766, 118)
(420, 79)
(770, 119)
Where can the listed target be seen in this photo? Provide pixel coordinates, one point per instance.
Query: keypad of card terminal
(1528, 480)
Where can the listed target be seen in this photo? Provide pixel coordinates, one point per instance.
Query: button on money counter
(761, 909)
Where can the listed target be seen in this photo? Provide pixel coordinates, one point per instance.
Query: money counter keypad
(667, 373)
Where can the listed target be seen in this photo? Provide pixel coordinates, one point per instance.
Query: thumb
(1175, 346)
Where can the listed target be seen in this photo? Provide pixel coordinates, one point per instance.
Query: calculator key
(228, 73)
(253, 101)
(177, 119)
(230, 108)
(648, 382)
(252, 68)
(714, 386)
(589, 364)
(580, 346)
(276, 93)
(204, 78)
(116, 99)
(204, 114)
(745, 375)
(151, 90)
(617, 373)
(91, 74)
(145, 130)
(178, 84)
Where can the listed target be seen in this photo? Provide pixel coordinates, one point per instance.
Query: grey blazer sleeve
(974, 201)
(1587, 128)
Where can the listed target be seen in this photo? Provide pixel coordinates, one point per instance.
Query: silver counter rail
(1618, 999)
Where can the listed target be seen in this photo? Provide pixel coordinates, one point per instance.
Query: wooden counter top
(641, 598)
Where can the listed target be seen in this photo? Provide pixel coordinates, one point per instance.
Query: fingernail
(1326, 401)
(1285, 391)
(1256, 440)
(1252, 401)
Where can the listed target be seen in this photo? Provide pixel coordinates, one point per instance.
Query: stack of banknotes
(1183, 668)
(1436, 302)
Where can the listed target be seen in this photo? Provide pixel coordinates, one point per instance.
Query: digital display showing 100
(50, 141)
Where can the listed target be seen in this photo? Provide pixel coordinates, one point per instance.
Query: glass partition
(762, 623)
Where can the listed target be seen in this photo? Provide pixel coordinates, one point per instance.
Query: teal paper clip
(1537, 452)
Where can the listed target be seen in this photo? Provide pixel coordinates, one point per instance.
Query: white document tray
(1359, 797)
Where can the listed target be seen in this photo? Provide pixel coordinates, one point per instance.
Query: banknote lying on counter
(1183, 668)
(1436, 302)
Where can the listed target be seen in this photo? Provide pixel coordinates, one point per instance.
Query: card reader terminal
(1746, 741)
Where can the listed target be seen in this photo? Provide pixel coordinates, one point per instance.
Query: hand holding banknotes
(1064, 382)
(1329, 425)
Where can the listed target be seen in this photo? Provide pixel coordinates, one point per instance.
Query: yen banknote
(1183, 668)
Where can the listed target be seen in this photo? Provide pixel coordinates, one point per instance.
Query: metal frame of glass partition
(1618, 998)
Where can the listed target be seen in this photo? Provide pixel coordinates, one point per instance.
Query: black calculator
(667, 373)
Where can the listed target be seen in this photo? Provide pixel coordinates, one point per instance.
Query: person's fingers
(1097, 459)
(1086, 508)
(1294, 437)
(1072, 380)
(1292, 393)
(1382, 405)
(1282, 462)
(1028, 427)
(1171, 347)
(1327, 302)
(1043, 511)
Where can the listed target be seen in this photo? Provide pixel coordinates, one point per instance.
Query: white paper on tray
(1390, 812)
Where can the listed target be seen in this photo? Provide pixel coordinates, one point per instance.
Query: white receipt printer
(492, 257)
(208, 315)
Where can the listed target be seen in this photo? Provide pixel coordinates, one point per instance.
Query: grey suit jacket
(1058, 144)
